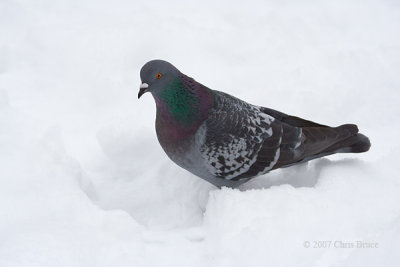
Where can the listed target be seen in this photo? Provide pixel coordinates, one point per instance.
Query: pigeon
(227, 141)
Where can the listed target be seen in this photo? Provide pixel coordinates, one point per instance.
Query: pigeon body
(227, 141)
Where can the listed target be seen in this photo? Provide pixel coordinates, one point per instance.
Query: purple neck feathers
(182, 106)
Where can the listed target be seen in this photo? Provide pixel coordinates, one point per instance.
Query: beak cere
(143, 89)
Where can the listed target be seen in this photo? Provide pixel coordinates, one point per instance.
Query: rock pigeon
(227, 141)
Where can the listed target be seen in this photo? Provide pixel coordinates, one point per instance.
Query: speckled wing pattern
(242, 141)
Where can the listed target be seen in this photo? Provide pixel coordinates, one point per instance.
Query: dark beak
(143, 89)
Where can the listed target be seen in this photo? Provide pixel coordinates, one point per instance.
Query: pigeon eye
(158, 75)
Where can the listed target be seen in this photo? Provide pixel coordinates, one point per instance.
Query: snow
(84, 182)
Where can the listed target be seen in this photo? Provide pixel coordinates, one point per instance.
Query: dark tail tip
(361, 144)
(356, 144)
(348, 129)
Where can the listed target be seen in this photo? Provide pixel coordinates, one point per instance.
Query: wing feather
(236, 133)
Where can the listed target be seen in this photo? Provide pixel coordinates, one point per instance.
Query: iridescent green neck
(179, 102)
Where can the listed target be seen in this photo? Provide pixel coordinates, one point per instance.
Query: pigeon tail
(355, 144)
(344, 139)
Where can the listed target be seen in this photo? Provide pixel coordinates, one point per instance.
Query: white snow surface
(84, 182)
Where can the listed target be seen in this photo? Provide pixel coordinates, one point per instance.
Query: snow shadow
(137, 177)
(302, 175)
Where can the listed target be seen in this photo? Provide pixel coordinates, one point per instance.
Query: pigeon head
(180, 100)
(156, 75)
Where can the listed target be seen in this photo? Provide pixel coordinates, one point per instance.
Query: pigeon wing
(240, 140)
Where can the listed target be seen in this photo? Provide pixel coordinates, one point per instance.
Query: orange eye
(158, 75)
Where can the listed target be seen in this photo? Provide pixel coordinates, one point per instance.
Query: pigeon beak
(143, 89)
